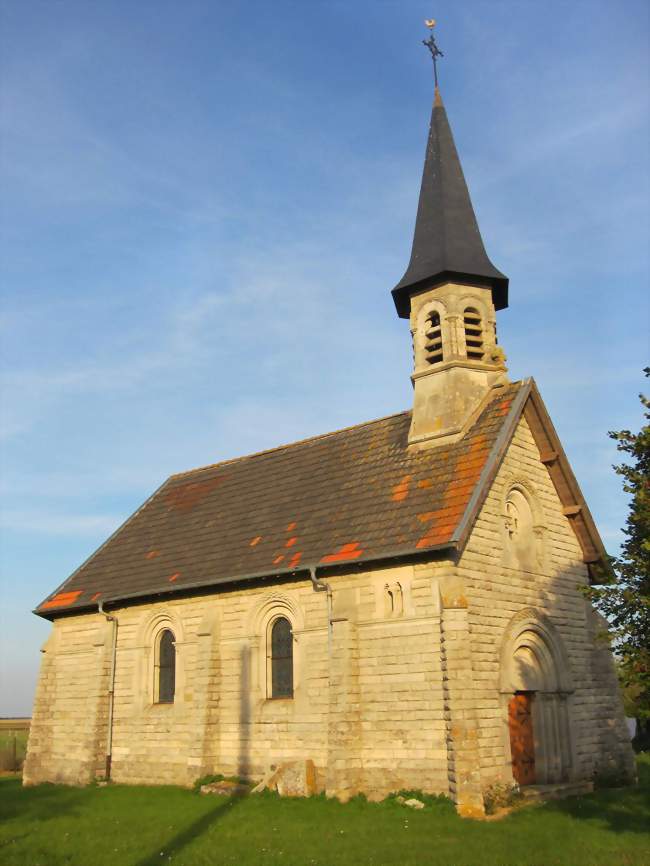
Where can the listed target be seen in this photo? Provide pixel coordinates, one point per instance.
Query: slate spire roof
(447, 241)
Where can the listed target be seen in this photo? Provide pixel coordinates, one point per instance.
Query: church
(396, 605)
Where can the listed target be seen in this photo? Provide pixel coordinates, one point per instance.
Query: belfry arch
(536, 687)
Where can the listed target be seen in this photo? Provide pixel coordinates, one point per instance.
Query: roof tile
(348, 496)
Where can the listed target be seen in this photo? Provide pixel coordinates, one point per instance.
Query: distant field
(52, 825)
(13, 743)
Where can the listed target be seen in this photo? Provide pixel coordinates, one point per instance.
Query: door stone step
(557, 790)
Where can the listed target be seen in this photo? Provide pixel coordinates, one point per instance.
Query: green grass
(123, 826)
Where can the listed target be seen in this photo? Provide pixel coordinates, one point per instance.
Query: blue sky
(206, 204)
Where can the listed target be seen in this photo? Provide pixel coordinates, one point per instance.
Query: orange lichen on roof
(504, 406)
(342, 485)
(401, 490)
(95, 596)
(347, 551)
(466, 473)
(174, 576)
(185, 497)
(62, 599)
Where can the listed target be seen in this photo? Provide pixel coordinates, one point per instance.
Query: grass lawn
(123, 826)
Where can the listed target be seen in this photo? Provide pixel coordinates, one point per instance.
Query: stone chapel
(397, 602)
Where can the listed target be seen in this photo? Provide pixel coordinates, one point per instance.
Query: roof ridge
(231, 460)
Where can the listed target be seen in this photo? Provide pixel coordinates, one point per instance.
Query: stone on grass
(291, 779)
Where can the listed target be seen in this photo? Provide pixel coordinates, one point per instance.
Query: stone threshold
(557, 790)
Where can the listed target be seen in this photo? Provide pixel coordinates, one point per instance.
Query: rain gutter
(111, 690)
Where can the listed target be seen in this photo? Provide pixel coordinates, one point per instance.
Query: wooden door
(522, 743)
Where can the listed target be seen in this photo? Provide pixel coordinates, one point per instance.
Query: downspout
(111, 691)
(320, 586)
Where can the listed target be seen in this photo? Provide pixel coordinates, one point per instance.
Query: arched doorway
(535, 685)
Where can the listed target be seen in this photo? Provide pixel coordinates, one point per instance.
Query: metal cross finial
(433, 48)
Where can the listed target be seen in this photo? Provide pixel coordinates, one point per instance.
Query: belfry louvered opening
(473, 334)
(433, 334)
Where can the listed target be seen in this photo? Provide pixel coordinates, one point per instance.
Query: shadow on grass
(40, 802)
(626, 810)
(622, 810)
(198, 828)
(189, 834)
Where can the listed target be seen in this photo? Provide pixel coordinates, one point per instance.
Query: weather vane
(433, 48)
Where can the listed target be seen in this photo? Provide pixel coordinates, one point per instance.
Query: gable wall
(499, 586)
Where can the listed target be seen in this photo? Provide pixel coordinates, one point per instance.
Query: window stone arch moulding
(488, 325)
(433, 305)
(529, 552)
(533, 658)
(533, 629)
(476, 301)
(265, 611)
(148, 634)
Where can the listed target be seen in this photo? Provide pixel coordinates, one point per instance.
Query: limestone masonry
(393, 606)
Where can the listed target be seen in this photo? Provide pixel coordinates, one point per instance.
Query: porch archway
(536, 687)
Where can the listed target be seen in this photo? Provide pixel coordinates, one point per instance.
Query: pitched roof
(355, 495)
(447, 241)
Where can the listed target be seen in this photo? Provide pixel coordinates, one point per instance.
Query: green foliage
(57, 825)
(13, 747)
(427, 799)
(218, 777)
(625, 602)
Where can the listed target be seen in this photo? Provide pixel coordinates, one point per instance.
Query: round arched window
(281, 658)
(166, 667)
(433, 337)
(523, 542)
(473, 334)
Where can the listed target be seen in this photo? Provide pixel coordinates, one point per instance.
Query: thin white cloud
(51, 523)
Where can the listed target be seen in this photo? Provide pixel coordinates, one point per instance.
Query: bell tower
(450, 293)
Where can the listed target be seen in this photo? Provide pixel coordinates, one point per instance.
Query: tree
(625, 601)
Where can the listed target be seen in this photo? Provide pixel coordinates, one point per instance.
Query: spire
(447, 242)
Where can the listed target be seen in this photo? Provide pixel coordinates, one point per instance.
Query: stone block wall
(504, 584)
(367, 705)
(409, 690)
(67, 734)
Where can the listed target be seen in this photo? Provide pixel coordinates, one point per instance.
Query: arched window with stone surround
(519, 517)
(281, 658)
(433, 338)
(165, 667)
(473, 326)
(524, 531)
